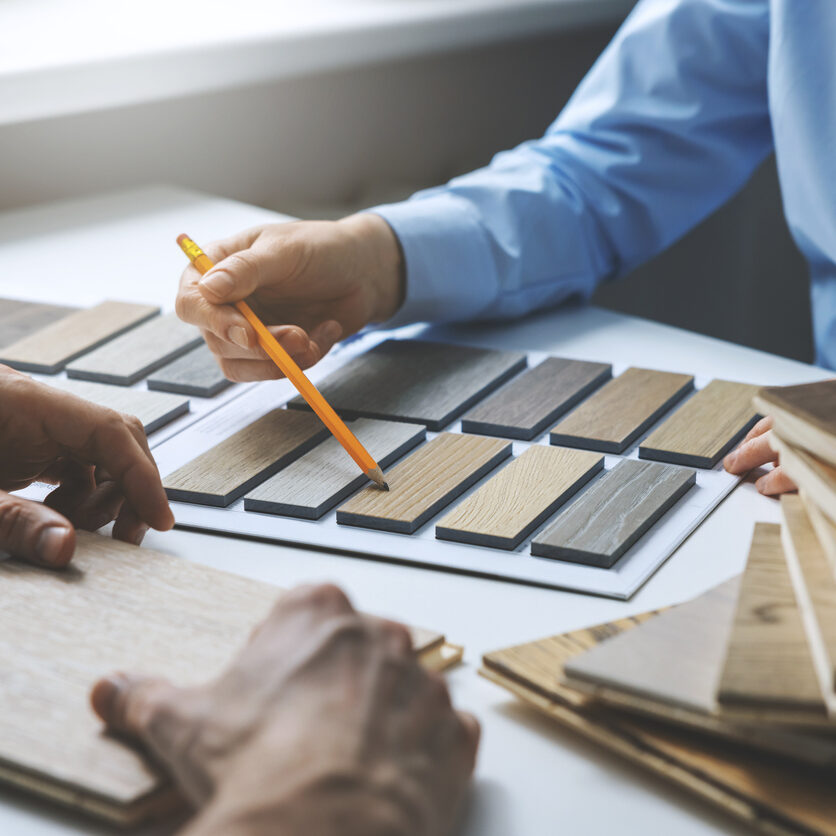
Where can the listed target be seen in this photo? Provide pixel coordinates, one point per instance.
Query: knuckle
(398, 635)
(326, 596)
(13, 519)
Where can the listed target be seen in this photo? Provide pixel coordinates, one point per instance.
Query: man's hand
(754, 451)
(324, 724)
(311, 282)
(98, 459)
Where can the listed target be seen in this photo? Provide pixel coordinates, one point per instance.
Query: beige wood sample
(125, 360)
(20, 318)
(53, 346)
(705, 427)
(814, 476)
(621, 410)
(227, 471)
(523, 495)
(425, 482)
(824, 527)
(196, 374)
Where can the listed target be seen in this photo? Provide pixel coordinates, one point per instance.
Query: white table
(533, 777)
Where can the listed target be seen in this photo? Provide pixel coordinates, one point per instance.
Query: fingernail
(219, 284)
(51, 543)
(140, 534)
(105, 693)
(238, 335)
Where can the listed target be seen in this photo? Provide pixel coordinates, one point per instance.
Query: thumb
(35, 532)
(234, 278)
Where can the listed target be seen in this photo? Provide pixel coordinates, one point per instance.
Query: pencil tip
(385, 486)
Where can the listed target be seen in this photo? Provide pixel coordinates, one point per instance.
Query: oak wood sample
(523, 495)
(610, 517)
(824, 527)
(326, 475)
(227, 471)
(813, 475)
(531, 402)
(196, 373)
(621, 410)
(416, 381)
(49, 349)
(705, 427)
(425, 482)
(20, 318)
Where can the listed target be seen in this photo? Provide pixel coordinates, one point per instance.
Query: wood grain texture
(49, 349)
(621, 410)
(20, 318)
(325, 476)
(813, 475)
(425, 482)
(705, 427)
(616, 511)
(227, 471)
(531, 402)
(196, 374)
(824, 527)
(417, 381)
(524, 494)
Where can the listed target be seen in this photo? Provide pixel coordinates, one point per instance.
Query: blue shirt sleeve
(669, 123)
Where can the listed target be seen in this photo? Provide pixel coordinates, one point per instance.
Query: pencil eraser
(181, 237)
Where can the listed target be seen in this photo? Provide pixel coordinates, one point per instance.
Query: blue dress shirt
(670, 122)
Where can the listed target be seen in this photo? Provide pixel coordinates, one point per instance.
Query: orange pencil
(295, 375)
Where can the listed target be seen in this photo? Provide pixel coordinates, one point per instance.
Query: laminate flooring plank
(127, 359)
(520, 498)
(49, 349)
(616, 511)
(227, 471)
(425, 482)
(814, 476)
(417, 381)
(534, 400)
(824, 527)
(20, 318)
(621, 410)
(196, 373)
(325, 476)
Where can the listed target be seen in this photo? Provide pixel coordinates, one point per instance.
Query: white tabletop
(533, 777)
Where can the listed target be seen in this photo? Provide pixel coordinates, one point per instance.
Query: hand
(99, 460)
(324, 724)
(754, 451)
(311, 282)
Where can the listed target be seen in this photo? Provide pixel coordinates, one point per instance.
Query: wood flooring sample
(53, 346)
(705, 427)
(417, 381)
(326, 475)
(530, 403)
(425, 482)
(196, 373)
(20, 318)
(227, 471)
(127, 359)
(518, 499)
(621, 410)
(603, 523)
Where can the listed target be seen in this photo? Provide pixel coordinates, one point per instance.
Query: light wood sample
(418, 381)
(610, 517)
(530, 403)
(705, 427)
(425, 482)
(49, 349)
(813, 475)
(824, 527)
(227, 471)
(523, 495)
(326, 475)
(19, 318)
(196, 373)
(621, 410)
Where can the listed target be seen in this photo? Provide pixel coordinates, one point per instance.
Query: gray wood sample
(127, 359)
(20, 318)
(326, 475)
(196, 373)
(227, 471)
(532, 402)
(610, 517)
(417, 381)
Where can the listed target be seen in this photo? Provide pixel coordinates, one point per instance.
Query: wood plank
(824, 527)
(127, 359)
(521, 497)
(609, 518)
(19, 318)
(812, 475)
(417, 381)
(622, 410)
(227, 471)
(705, 427)
(425, 482)
(534, 400)
(49, 349)
(325, 476)
(196, 373)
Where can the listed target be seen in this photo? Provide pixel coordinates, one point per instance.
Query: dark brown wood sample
(227, 471)
(610, 517)
(20, 318)
(196, 374)
(425, 482)
(417, 381)
(530, 403)
(621, 410)
(326, 475)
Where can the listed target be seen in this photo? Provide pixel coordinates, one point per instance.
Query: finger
(293, 339)
(750, 454)
(224, 321)
(35, 532)
(760, 428)
(396, 636)
(87, 508)
(775, 482)
(128, 526)
(473, 734)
